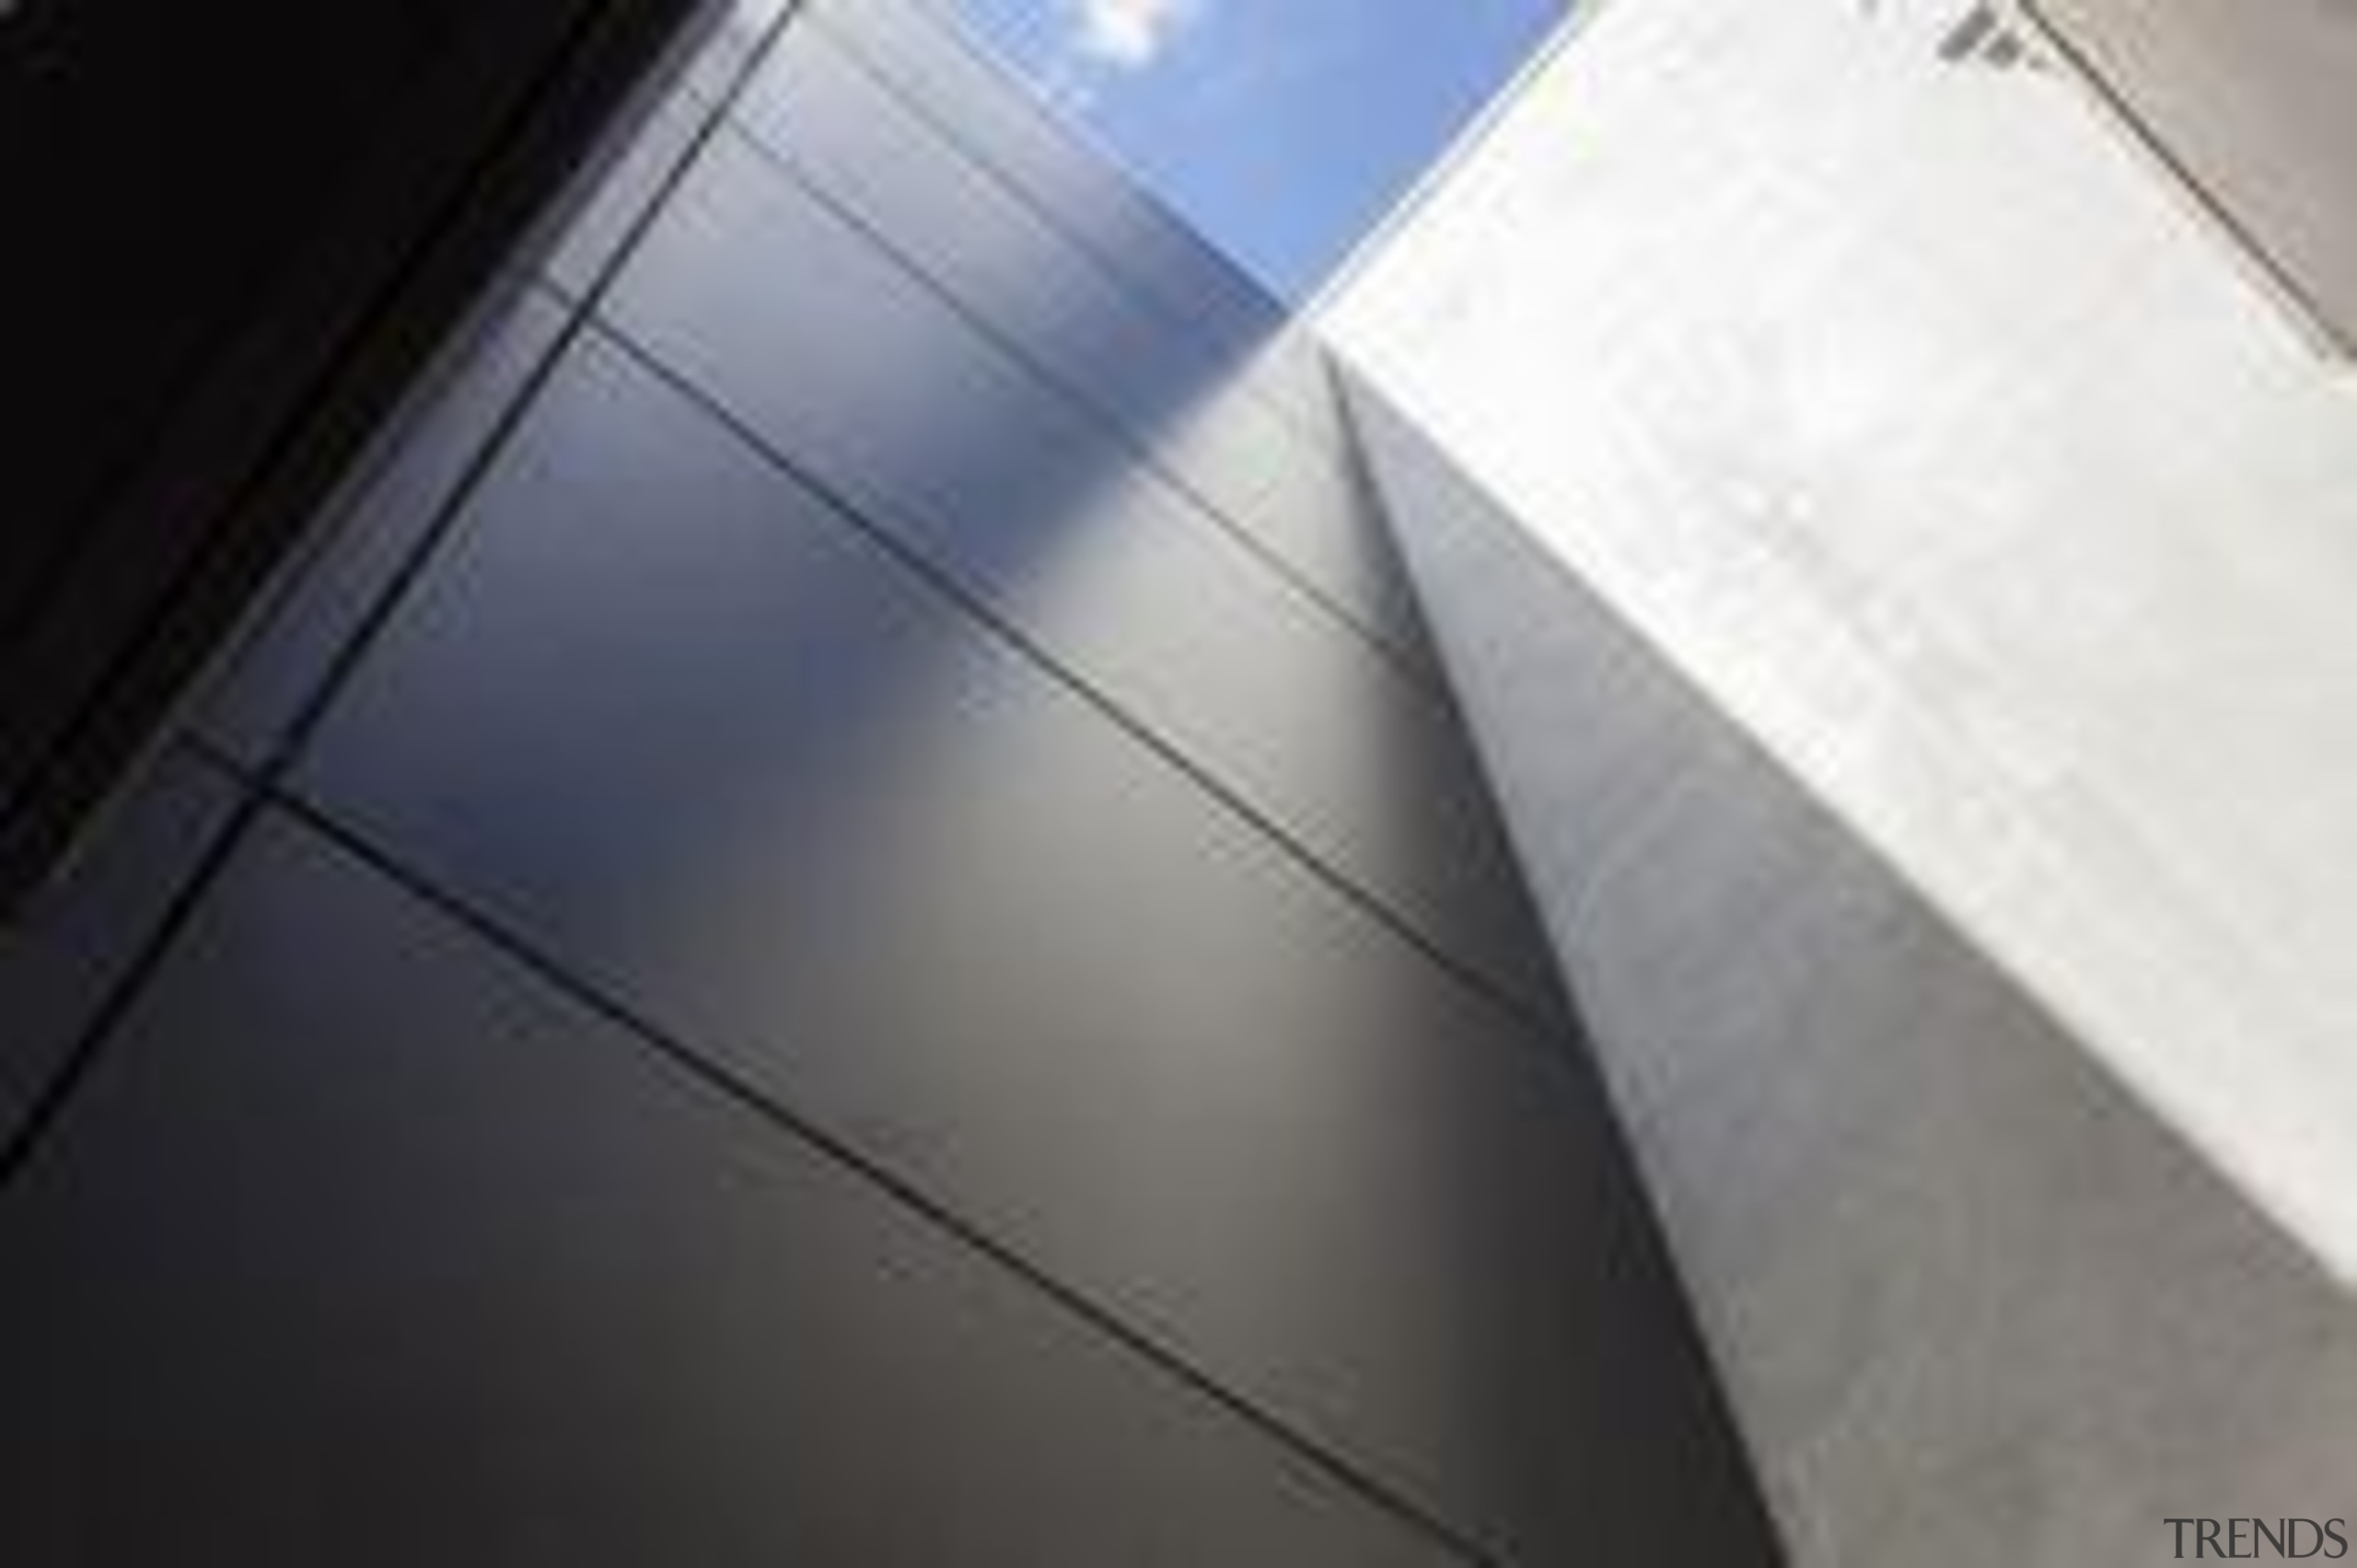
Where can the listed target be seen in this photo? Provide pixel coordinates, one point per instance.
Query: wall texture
(844, 920)
(1978, 978)
(1925, 427)
(1973, 1301)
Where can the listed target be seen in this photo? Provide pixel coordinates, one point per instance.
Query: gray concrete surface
(1975, 1303)
(1917, 417)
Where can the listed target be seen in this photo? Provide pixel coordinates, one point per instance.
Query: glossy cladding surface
(1167, 265)
(368, 1246)
(865, 149)
(954, 447)
(370, 530)
(847, 949)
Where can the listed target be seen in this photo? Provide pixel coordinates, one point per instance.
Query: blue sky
(1283, 129)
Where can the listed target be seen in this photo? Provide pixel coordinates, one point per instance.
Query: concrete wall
(1934, 437)
(1974, 1303)
(1979, 983)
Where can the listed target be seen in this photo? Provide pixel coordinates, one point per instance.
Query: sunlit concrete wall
(1990, 1026)
(1974, 1302)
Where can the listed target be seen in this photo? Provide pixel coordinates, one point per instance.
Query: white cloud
(1128, 34)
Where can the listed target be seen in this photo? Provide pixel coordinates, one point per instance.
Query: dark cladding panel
(387, 512)
(665, 718)
(851, 367)
(370, 1248)
(632, 180)
(929, 198)
(83, 934)
(938, 69)
(849, 978)
(1155, 382)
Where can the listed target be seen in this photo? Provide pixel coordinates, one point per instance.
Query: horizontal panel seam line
(855, 50)
(395, 595)
(1532, 1027)
(963, 43)
(34, 1131)
(1330, 607)
(844, 1152)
